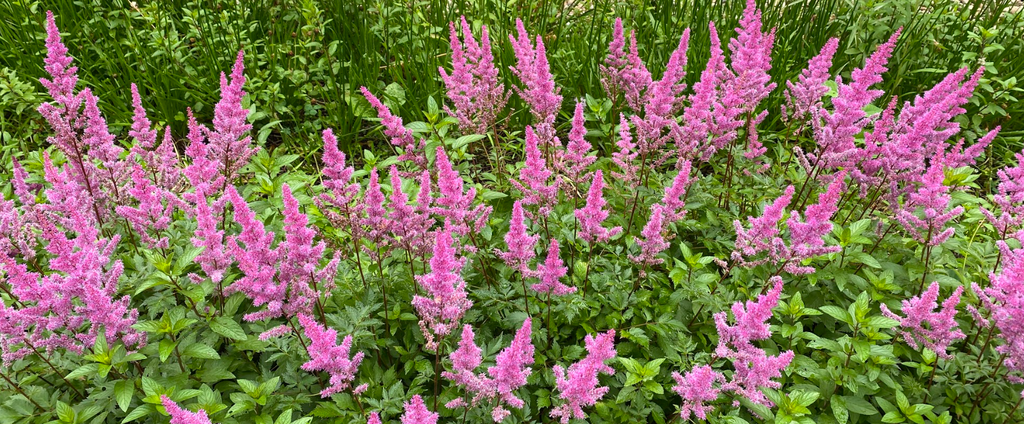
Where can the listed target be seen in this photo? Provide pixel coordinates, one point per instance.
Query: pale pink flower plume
(579, 387)
(183, 416)
(923, 327)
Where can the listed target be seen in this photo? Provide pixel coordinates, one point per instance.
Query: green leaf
(466, 139)
(123, 391)
(227, 327)
(139, 412)
(166, 348)
(839, 410)
(836, 312)
(201, 351)
(84, 370)
(65, 413)
(859, 405)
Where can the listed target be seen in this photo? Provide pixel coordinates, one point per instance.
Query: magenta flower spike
(416, 412)
(651, 242)
(754, 369)
(373, 418)
(183, 416)
(215, 257)
(805, 95)
(520, 243)
(501, 380)
(834, 132)
(375, 216)
(592, 215)
(579, 387)
(551, 272)
(473, 86)
(925, 214)
(625, 157)
(454, 204)
(923, 327)
(512, 367)
(697, 387)
(300, 258)
(257, 260)
(663, 99)
(575, 160)
(338, 201)
(412, 151)
(228, 149)
(623, 72)
(151, 213)
(539, 89)
(328, 356)
(445, 300)
(408, 227)
(672, 201)
(750, 59)
(764, 230)
(1004, 299)
(533, 178)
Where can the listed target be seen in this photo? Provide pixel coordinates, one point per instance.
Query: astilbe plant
(232, 245)
(578, 387)
(473, 85)
(923, 327)
(325, 354)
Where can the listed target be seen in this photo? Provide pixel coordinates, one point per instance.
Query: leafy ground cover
(697, 240)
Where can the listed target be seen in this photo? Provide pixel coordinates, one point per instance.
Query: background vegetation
(308, 58)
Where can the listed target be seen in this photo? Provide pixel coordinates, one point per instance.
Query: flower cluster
(923, 327)
(578, 387)
(473, 85)
(328, 356)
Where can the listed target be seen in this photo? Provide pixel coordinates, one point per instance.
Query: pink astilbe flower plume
(805, 95)
(922, 327)
(551, 272)
(511, 368)
(454, 204)
(926, 212)
(806, 239)
(673, 201)
(328, 356)
(835, 132)
(373, 418)
(416, 412)
(338, 201)
(501, 380)
(623, 72)
(663, 99)
(625, 157)
(287, 278)
(652, 242)
(520, 243)
(534, 176)
(215, 257)
(76, 301)
(754, 369)
(575, 160)
(183, 416)
(539, 89)
(445, 302)
(592, 215)
(697, 387)
(579, 387)
(228, 145)
(151, 214)
(412, 151)
(750, 59)
(473, 86)
(409, 228)
(1004, 300)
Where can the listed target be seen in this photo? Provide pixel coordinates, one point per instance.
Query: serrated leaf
(123, 391)
(201, 351)
(227, 327)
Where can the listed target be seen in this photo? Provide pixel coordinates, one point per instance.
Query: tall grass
(309, 57)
